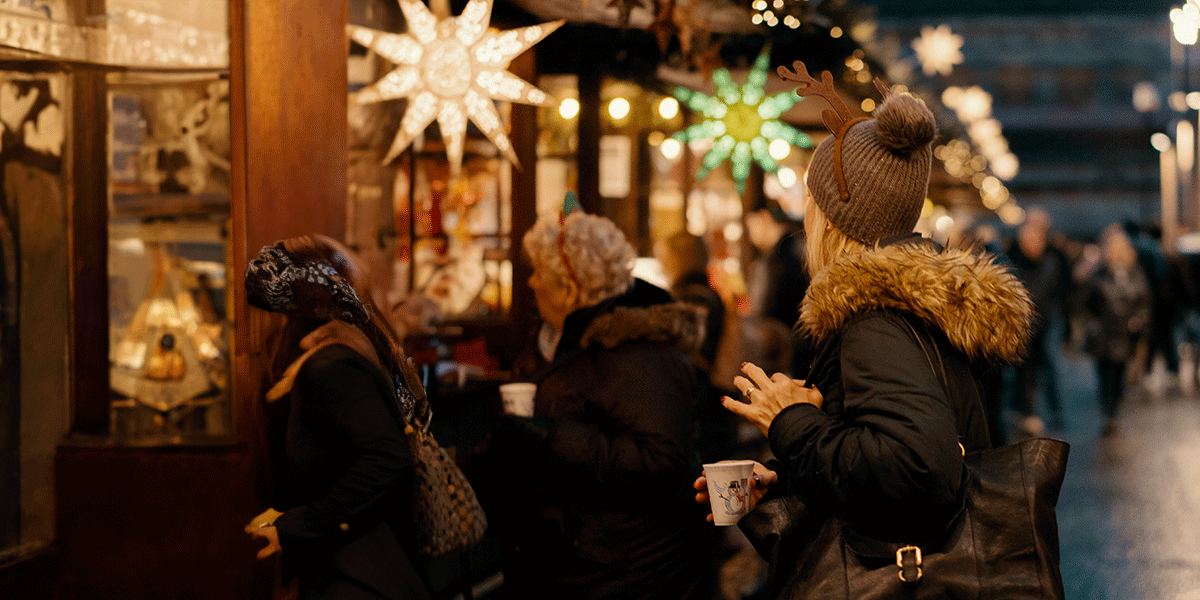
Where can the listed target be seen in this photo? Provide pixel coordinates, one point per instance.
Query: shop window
(54, 146)
(1015, 85)
(34, 306)
(1076, 86)
(558, 141)
(168, 261)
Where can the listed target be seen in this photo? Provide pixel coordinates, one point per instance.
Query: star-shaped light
(741, 122)
(451, 69)
(938, 50)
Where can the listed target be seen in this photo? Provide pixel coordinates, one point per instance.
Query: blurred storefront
(147, 149)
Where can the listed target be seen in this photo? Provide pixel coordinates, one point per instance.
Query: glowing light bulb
(668, 108)
(787, 177)
(779, 149)
(618, 108)
(1160, 141)
(568, 108)
(670, 148)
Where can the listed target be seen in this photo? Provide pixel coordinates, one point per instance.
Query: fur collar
(676, 322)
(983, 308)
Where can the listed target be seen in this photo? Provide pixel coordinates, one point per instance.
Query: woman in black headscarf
(351, 392)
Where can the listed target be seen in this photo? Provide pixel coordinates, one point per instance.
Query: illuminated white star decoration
(451, 69)
(938, 50)
(741, 122)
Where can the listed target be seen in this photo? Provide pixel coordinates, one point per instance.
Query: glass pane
(168, 259)
(461, 231)
(34, 305)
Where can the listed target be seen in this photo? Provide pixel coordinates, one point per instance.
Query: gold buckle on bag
(916, 552)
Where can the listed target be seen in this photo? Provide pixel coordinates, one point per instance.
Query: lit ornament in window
(741, 123)
(938, 50)
(451, 69)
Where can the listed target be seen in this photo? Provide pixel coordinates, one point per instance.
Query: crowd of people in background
(1123, 300)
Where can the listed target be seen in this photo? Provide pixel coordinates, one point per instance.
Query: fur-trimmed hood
(983, 309)
(677, 323)
(644, 312)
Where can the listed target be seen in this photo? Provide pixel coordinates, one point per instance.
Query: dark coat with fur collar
(613, 452)
(883, 452)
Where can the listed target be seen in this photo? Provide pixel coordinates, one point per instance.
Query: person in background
(605, 461)
(684, 258)
(874, 434)
(777, 278)
(1117, 299)
(1045, 271)
(1165, 292)
(349, 393)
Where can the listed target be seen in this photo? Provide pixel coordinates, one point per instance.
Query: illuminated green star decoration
(741, 122)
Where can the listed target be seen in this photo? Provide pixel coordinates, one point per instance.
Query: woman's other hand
(760, 484)
(270, 534)
(262, 527)
(768, 396)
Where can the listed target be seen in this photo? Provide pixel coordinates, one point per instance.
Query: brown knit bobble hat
(885, 162)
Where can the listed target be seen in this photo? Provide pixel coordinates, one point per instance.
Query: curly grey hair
(600, 258)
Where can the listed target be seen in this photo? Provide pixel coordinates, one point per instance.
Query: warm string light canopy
(451, 69)
(741, 122)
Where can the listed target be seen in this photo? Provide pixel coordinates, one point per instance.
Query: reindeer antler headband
(838, 120)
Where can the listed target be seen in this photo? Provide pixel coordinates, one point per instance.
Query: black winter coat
(1118, 306)
(609, 459)
(883, 452)
(351, 472)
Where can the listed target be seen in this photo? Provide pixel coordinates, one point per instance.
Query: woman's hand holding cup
(760, 483)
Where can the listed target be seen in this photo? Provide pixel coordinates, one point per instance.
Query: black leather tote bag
(1003, 544)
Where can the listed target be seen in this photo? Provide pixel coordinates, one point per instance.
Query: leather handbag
(446, 513)
(1003, 544)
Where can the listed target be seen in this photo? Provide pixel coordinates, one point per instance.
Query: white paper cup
(518, 398)
(729, 490)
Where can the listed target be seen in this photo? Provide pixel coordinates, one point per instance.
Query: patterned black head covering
(312, 289)
(315, 288)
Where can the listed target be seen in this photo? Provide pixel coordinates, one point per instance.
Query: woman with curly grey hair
(611, 441)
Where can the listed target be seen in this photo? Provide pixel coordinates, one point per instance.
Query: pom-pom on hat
(870, 177)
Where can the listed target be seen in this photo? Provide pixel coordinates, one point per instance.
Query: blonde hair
(598, 258)
(826, 241)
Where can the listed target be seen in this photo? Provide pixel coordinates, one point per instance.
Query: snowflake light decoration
(938, 50)
(741, 122)
(451, 69)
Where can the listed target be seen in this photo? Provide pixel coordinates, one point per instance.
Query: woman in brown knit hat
(873, 435)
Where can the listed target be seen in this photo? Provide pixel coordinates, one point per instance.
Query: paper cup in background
(518, 398)
(729, 489)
